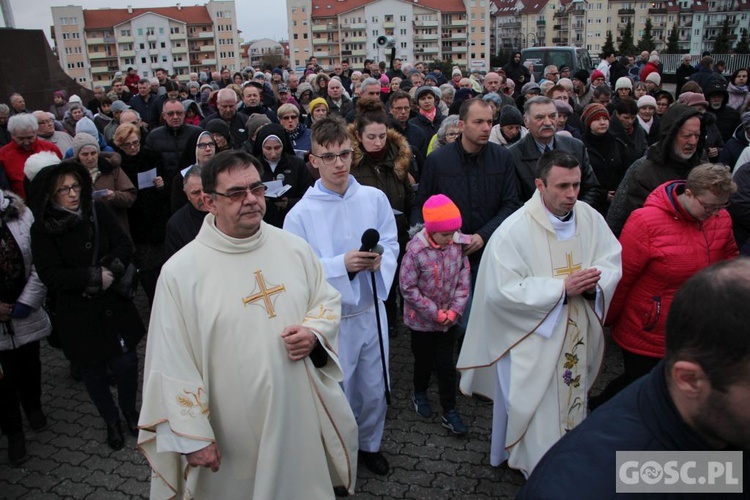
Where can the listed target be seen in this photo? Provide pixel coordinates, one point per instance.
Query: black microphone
(370, 239)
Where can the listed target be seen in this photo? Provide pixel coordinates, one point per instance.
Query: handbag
(127, 285)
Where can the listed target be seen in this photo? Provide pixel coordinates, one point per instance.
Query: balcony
(98, 70)
(657, 11)
(180, 64)
(153, 52)
(208, 62)
(427, 24)
(179, 50)
(95, 40)
(359, 26)
(125, 39)
(359, 52)
(177, 36)
(626, 12)
(206, 34)
(389, 24)
(124, 53)
(319, 28)
(426, 37)
(430, 50)
(541, 22)
(209, 48)
(151, 37)
(458, 22)
(357, 39)
(320, 53)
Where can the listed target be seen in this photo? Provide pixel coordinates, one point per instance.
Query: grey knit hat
(81, 140)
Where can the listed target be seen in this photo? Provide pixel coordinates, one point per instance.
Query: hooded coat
(657, 167)
(92, 322)
(291, 170)
(390, 175)
(727, 118)
(662, 246)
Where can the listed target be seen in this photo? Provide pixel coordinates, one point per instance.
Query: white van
(575, 58)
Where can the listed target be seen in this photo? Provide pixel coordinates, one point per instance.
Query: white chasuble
(533, 350)
(217, 370)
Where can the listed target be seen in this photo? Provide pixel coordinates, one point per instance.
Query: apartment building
(419, 30)
(582, 23)
(93, 44)
(255, 51)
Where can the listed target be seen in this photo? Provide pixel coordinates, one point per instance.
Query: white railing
(671, 62)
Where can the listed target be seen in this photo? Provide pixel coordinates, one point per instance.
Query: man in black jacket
(476, 175)
(226, 103)
(695, 400)
(727, 118)
(186, 222)
(540, 118)
(683, 73)
(173, 138)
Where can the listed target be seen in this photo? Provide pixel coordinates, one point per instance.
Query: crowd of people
(283, 225)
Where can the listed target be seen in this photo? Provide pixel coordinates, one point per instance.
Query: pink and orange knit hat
(441, 214)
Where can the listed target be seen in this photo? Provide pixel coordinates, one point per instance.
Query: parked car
(575, 58)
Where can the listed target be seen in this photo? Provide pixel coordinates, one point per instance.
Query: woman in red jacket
(681, 229)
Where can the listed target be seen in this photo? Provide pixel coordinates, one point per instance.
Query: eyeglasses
(174, 113)
(239, 194)
(451, 134)
(204, 145)
(65, 190)
(131, 145)
(289, 117)
(711, 208)
(330, 158)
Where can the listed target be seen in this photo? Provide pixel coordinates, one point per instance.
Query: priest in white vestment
(534, 341)
(241, 395)
(332, 216)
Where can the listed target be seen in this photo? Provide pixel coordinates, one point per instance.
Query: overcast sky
(256, 18)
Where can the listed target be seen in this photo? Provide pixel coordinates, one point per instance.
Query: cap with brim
(530, 87)
(119, 106)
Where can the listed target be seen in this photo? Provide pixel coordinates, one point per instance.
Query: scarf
(430, 115)
(294, 134)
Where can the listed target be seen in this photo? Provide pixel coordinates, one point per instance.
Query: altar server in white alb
(534, 342)
(241, 395)
(332, 217)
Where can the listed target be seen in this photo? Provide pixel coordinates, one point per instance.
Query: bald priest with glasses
(241, 394)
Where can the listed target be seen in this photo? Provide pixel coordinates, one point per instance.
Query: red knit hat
(592, 112)
(597, 74)
(441, 214)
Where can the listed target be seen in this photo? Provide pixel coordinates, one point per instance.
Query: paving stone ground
(70, 460)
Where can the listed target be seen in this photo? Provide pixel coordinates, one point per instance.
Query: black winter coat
(482, 185)
(733, 147)
(92, 322)
(171, 143)
(609, 160)
(526, 155)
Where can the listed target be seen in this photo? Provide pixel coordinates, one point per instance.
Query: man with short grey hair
(369, 89)
(540, 118)
(23, 129)
(550, 73)
(226, 104)
(186, 222)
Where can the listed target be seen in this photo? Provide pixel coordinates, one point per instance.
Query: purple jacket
(432, 279)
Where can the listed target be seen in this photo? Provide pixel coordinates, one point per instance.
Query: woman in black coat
(149, 214)
(275, 152)
(80, 251)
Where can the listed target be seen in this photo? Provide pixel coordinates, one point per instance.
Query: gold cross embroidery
(265, 294)
(569, 268)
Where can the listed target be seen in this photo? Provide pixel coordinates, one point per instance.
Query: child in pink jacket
(435, 284)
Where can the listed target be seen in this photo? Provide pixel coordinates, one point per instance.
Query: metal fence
(670, 62)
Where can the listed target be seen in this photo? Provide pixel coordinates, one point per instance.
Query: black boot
(115, 439)
(16, 448)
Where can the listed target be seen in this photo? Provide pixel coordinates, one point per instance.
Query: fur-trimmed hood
(398, 150)
(14, 206)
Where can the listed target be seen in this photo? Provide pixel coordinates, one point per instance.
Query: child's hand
(442, 317)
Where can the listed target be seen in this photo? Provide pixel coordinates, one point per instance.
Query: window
(145, 73)
(71, 65)
(66, 36)
(153, 59)
(140, 31)
(174, 30)
(129, 60)
(403, 19)
(228, 14)
(143, 60)
(403, 45)
(163, 58)
(79, 65)
(75, 36)
(142, 46)
(163, 45)
(64, 21)
(295, 36)
(124, 32)
(151, 45)
(161, 31)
